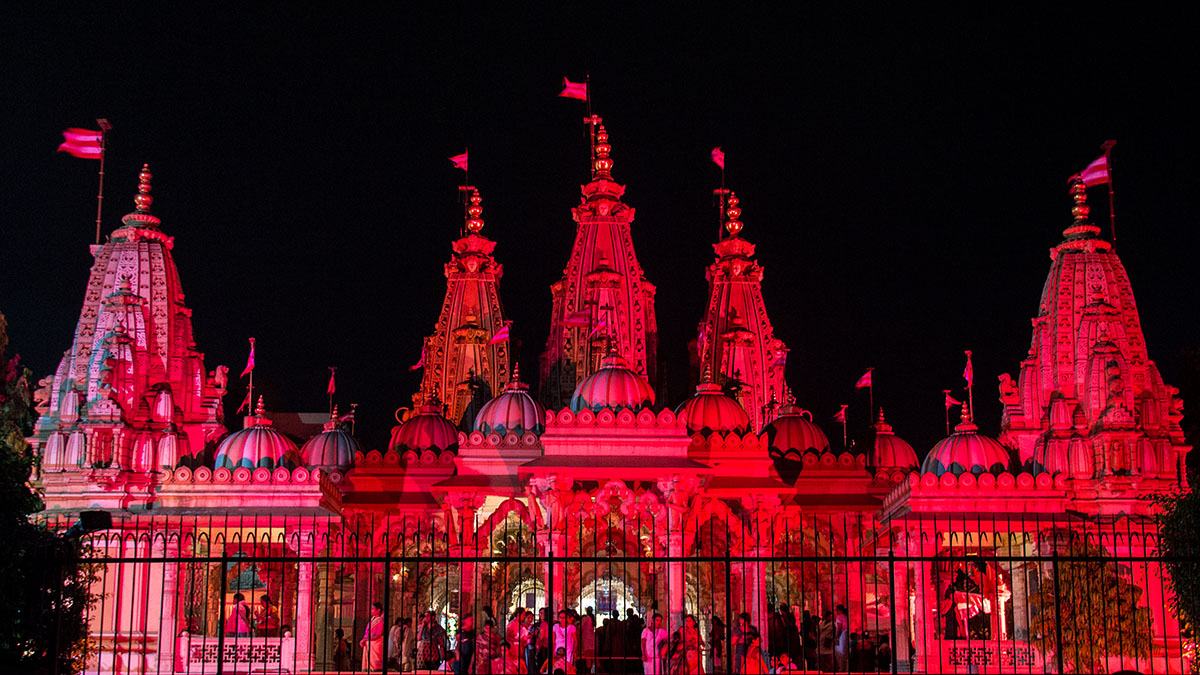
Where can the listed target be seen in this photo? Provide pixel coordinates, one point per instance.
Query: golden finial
(881, 420)
(516, 372)
(604, 163)
(474, 210)
(142, 199)
(1080, 210)
(333, 414)
(967, 417)
(732, 214)
(706, 378)
(258, 408)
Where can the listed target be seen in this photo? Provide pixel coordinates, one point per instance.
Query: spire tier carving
(603, 295)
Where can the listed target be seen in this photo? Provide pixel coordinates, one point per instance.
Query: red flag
(576, 90)
(245, 403)
(501, 335)
(602, 323)
(969, 371)
(421, 363)
(332, 387)
(578, 319)
(249, 360)
(781, 357)
(718, 157)
(459, 161)
(950, 400)
(1096, 173)
(840, 416)
(82, 143)
(348, 417)
(864, 381)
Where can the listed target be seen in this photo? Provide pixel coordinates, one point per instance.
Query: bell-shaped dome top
(427, 430)
(889, 450)
(257, 445)
(709, 410)
(333, 448)
(966, 451)
(793, 431)
(614, 385)
(513, 411)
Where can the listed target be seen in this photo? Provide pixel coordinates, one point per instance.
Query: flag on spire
(82, 143)
(1096, 173)
(840, 416)
(578, 319)
(718, 157)
(245, 403)
(950, 400)
(332, 387)
(602, 323)
(969, 371)
(421, 362)
(459, 161)
(576, 90)
(501, 335)
(249, 361)
(865, 380)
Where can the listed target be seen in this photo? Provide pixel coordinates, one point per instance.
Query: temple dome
(614, 385)
(427, 430)
(513, 411)
(966, 451)
(257, 445)
(709, 410)
(792, 431)
(332, 449)
(889, 451)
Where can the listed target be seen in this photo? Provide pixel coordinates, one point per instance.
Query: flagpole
(1112, 214)
(946, 409)
(105, 127)
(250, 394)
(844, 406)
(970, 383)
(332, 370)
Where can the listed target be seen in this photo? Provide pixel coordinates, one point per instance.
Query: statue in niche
(1009, 396)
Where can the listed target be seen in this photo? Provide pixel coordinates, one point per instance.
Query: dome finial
(142, 199)
(733, 213)
(259, 410)
(1080, 227)
(603, 163)
(333, 414)
(474, 211)
(516, 377)
(881, 420)
(706, 378)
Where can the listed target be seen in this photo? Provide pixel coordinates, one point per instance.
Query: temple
(596, 492)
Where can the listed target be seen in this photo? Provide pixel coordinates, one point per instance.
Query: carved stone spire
(736, 341)
(603, 295)
(460, 358)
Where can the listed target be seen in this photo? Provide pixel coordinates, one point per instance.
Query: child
(560, 662)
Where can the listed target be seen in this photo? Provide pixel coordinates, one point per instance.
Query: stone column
(1020, 573)
(925, 622)
(304, 546)
(759, 610)
(675, 572)
(900, 607)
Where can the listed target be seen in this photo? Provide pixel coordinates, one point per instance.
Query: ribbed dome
(333, 448)
(792, 431)
(614, 385)
(889, 450)
(513, 411)
(709, 410)
(966, 451)
(427, 430)
(257, 445)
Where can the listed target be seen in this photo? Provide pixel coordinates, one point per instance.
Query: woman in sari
(754, 663)
(373, 642)
(692, 645)
(487, 648)
(516, 637)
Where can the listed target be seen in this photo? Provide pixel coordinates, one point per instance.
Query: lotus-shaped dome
(333, 448)
(427, 430)
(966, 451)
(709, 410)
(615, 385)
(513, 411)
(889, 450)
(793, 431)
(257, 445)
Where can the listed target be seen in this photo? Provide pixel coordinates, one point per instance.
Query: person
(776, 642)
(785, 665)
(266, 618)
(740, 630)
(841, 644)
(825, 635)
(238, 623)
(565, 636)
(633, 636)
(431, 642)
(808, 636)
(883, 653)
(408, 646)
(753, 663)
(538, 649)
(464, 650)
(692, 644)
(587, 639)
(487, 657)
(341, 650)
(395, 635)
(560, 664)
(372, 640)
(615, 647)
(718, 640)
(516, 637)
(654, 647)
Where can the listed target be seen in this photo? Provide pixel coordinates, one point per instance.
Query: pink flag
(781, 357)
(840, 416)
(718, 157)
(950, 400)
(576, 90)
(864, 381)
(249, 360)
(459, 161)
(332, 387)
(1096, 173)
(245, 403)
(82, 143)
(969, 371)
(348, 417)
(602, 323)
(578, 319)
(501, 335)
(420, 363)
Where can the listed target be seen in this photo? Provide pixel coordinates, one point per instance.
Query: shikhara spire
(461, 360)
(603, 295)
(736, 342)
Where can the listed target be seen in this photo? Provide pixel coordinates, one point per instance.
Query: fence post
(221, 613)
(1058, 652)
(892, 601)
(387, 593)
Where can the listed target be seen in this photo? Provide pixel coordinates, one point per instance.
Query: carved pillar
(900, 606)
(759, 610)
(302, 543)
(675, 573)
(554, 494)
(925, 622)
(1020, 573)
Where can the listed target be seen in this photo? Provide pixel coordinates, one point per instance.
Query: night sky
(903, 176)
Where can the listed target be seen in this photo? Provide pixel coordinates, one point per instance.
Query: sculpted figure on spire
(467, 356)
(603, 294)
(131, 395)
(736, 342)
(1088, 401)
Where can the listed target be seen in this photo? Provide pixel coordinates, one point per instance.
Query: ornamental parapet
(1023, 492)
(623, 418)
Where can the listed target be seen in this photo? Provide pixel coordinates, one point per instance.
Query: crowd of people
(578, 644)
